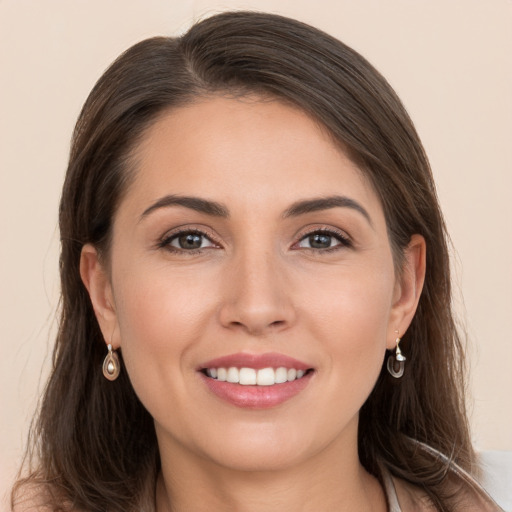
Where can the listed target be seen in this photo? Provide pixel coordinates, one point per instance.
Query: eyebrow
(326, 203)
(216, 209)
(194, 203)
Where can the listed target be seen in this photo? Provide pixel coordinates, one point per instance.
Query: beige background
(449, 60)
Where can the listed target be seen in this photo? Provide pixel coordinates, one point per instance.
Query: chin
(259, 459)
(253, 448)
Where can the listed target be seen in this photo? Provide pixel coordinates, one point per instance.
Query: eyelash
(165, 242)
(342, 238)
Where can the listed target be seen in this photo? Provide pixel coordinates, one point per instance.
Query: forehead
(243, 150)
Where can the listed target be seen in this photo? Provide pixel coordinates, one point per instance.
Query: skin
(256, 286)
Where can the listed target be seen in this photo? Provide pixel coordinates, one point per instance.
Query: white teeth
(247, 376)
(233, 375)
(221, 374)
(251, 377)
(266, 377)
(281, 375)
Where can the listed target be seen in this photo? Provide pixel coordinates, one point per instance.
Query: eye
(324, 240)
(187, 241)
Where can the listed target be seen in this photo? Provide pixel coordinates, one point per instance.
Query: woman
(255, 290)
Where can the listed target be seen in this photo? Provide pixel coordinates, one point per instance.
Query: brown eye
(324, 240)
(188, 241)
(320, 241)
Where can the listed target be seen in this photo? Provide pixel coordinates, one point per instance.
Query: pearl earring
(111, 365)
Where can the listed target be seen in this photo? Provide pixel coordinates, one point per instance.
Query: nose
(257, 298)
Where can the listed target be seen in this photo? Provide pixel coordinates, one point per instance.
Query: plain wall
(449, 61)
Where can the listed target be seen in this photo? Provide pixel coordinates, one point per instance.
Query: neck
(331, 480)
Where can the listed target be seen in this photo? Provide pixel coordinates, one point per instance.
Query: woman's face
(249, 240)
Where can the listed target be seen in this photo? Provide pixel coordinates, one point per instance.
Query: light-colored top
(391, 496)
(404, 497)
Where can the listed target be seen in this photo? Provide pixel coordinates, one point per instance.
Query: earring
(396, 363)
(111, 365)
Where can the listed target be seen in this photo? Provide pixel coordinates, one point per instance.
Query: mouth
(256, 381)
(246, 376)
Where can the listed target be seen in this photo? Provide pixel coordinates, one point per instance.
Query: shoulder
(34, 497)
(460, 488)
(467, 496)
(411, 498)
(38, 505)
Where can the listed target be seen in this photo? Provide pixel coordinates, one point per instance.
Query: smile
(253, 377)
(256, 381)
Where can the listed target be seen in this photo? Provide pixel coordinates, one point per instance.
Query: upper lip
(256, 361)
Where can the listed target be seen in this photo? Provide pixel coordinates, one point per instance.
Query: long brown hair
(95, 443)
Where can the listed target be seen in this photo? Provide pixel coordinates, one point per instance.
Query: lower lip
(256, 397)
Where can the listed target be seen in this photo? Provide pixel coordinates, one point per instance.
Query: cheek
(161, 320)
(159, 300)
(352, 302)
(350, 314)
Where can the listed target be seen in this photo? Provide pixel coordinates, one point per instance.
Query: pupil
(190, 241)
(320, 241)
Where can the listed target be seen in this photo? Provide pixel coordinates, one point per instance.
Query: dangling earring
(396, 363)
(111, 365)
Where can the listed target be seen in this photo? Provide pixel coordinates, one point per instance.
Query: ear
(97, 282)
(407, 289)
